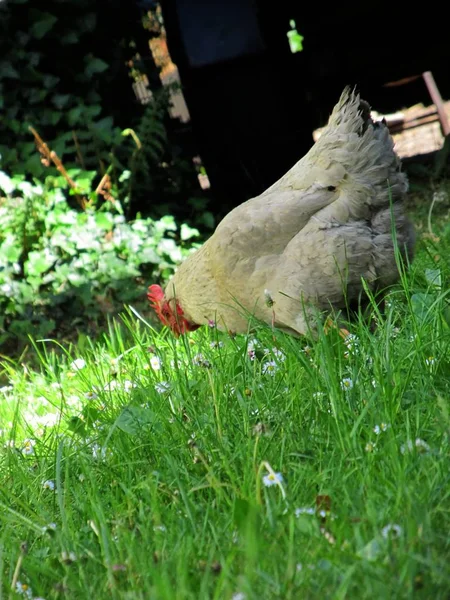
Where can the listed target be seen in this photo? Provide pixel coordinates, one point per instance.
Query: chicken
(305, 245)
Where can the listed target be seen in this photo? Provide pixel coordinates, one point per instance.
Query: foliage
(55, 71)
(62, 268)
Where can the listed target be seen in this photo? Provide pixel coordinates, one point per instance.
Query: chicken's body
(307, 242)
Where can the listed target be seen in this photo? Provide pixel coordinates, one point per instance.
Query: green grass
(160, 490)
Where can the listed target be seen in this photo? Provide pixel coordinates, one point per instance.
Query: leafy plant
(63, 268)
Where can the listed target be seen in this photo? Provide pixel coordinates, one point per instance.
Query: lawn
(138, 466)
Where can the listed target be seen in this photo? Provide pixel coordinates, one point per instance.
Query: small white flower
(318, 395)
(272, 479)
(304, 510)
(49, 528)
(215, 344)
(421, 445)
(28, 447)
(91, 395)
(24, 590)
(270, 368)
(252, 344)
(49, 485)
(279, 354)
(200, 361)
(6, 388)
(377, 430)
(407, 447)
(370, 447)
(238, 596)
(430, 361)
(128, 385)
(346, 384)
(111, 386)
(268, 298)
(78, 364)
(299, 567)
(384, 426)
(68, 557)
(98, 452)
(160, 528)
(155, 363)
(251, 354)
(162, 387)
(391, 531)
(351, 341)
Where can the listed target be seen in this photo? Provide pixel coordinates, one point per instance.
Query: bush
(64, 269)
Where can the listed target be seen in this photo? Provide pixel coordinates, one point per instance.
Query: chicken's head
(169, 312)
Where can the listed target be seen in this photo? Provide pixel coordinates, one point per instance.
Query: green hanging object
(295, 38)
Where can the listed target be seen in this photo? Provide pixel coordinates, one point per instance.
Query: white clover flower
(272, 479)
(49, 484)
(270, 368)
(78, 364)
(304, 510)
(24, 590)
(162, 387)
(346, 384)
(28, 447)
(391, 531)
(155, 363)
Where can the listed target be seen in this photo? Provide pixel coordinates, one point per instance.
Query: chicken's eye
(331, 188)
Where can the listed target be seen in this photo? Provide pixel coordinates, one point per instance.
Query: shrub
(64, 269)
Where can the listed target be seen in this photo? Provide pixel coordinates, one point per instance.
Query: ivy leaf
(133, 418)
(7, 70)
(43, 26)
(95, 65)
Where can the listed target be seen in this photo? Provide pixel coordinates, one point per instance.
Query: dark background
(254, 104)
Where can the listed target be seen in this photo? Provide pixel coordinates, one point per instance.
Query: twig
(50, 155)
(78, 149)
(103, 188)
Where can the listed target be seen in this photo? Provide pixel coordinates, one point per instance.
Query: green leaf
(60, 100)
(43, 26)
(8, 71)
(133, 418)
(95, 65)
(371, 551)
